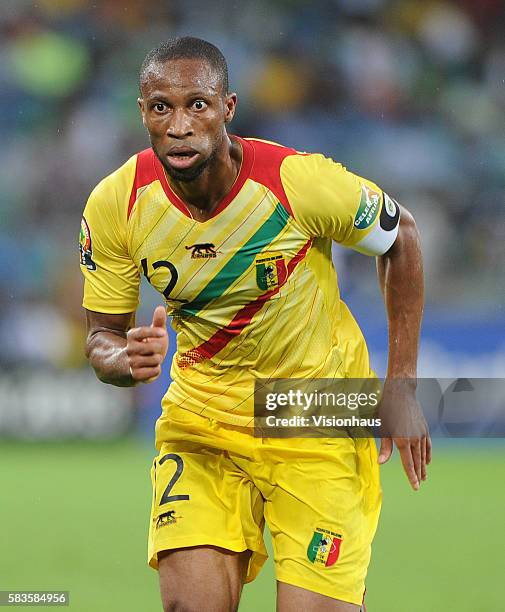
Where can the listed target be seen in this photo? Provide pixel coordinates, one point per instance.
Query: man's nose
(180, 125)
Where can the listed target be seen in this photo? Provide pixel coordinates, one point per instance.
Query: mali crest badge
(271, 271)
(324, 548)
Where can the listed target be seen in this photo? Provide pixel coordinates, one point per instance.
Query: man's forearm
(107, 355)
(401, 279)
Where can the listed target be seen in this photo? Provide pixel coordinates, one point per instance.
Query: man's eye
(160, 107)
(199, 104)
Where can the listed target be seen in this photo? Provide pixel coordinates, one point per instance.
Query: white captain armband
(383, 233)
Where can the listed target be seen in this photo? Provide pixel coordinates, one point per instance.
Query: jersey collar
(242, 176)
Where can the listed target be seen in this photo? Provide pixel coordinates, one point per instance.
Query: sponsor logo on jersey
(390, 214)
(271, 271)
(205, 250)
(85, 246)
(368, 207)
(324, 547)
(167, 518)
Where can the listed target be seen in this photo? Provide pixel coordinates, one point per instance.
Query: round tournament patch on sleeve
(85, 246)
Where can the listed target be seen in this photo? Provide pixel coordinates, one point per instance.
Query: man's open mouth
(182, 158)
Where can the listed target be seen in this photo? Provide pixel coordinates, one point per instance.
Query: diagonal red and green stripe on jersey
(240, 261)
(324, 548)
(240, 321)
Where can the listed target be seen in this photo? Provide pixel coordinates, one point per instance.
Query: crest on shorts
(85, 246)
(271, 271)
(324, 548)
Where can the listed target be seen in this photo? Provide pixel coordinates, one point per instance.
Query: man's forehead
(194, 74)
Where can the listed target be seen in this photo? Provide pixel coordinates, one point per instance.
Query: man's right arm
(122, 355)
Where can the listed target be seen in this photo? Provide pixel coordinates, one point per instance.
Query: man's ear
(230, 104)
(140, 102)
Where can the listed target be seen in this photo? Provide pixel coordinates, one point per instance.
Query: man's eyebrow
(201, 92)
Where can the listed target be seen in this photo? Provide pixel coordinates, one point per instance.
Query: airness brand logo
(368, 207)
(167, 518)
(205, 250)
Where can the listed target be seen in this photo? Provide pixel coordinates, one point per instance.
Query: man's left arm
(400, 272)
(329, 201)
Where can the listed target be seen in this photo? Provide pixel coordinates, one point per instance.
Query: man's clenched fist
(147, 346)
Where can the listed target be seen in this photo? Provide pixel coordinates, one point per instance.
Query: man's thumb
(159, 317)
(385, 450)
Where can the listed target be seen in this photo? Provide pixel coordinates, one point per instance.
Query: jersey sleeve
(111, 278)
(329, 201)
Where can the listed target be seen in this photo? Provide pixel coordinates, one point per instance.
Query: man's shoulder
(290, 174)
(123, 177)
(274, 162)
(119, 179)
(121, 185)
(269, 152)
(268, 158)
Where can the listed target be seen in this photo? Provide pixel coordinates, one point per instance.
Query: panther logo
(203, 250)
(166, 519)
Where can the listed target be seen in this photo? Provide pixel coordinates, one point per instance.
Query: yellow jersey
(252, 291)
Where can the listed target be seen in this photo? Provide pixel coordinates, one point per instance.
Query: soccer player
(236, 234)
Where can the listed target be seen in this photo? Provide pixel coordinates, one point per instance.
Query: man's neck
(204, 194)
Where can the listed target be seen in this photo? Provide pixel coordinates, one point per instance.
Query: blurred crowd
(409, 93)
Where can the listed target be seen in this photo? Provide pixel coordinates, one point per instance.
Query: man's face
(184, 110)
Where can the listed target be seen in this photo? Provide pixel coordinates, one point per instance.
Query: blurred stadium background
(408, 93)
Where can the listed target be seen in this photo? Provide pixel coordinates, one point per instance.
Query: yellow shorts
(215, 484)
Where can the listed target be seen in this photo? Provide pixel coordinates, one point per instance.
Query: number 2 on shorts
(166, 497)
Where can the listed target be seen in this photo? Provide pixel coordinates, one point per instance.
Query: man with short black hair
(236, 234)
